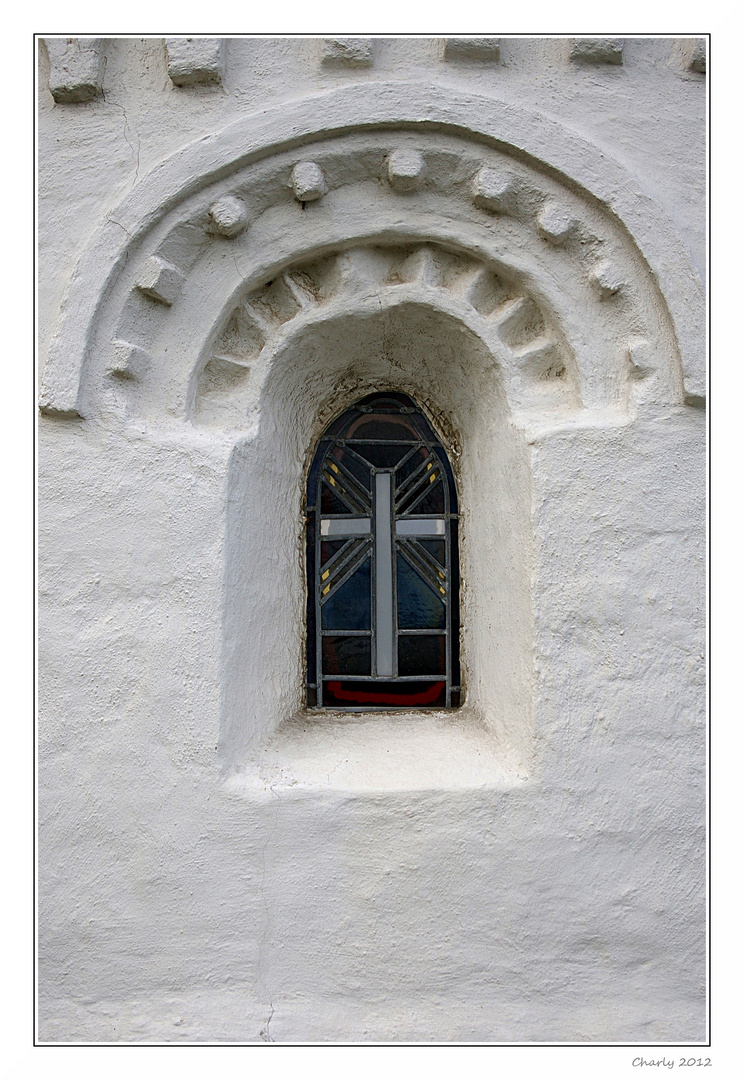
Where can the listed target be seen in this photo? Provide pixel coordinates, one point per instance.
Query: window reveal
(382, 559)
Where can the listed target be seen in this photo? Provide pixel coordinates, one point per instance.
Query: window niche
(429, 361)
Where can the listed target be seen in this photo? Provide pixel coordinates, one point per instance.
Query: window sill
(440, 751)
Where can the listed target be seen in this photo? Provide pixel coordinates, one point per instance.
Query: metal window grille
(382, 560)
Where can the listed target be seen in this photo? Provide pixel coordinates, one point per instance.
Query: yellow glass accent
(429, 465)
(325, 575)
(433, 477)
(442, 591)
(440, 574)
(334, 467)
(327, 589)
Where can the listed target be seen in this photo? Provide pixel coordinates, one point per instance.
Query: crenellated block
(406, 170)
(554, 223)
(698, 55)
(597, 50)
(606, 279)
(75, 68)
(160, 280)
(485, 50)
(494, 190)
(195, 61)
(129, 361)
(353, 52)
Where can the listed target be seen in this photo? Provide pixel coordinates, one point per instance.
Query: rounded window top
(385, 430)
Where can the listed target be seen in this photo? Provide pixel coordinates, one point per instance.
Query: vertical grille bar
(384, 573)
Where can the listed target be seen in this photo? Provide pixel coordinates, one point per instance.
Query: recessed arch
(422, 352)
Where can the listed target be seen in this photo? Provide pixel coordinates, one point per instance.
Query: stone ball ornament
(308, 182)
(228, 216)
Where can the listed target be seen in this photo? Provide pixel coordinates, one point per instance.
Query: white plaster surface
(215, 862)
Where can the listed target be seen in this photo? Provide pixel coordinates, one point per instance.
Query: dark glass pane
(348, 656)
(454, 604)
(312, 481)
(396, 695)
(431, 503)
(337, 428)
(424, 427)
(381, 456)
(310, 555)
(420, 655)
(356, 467)
(414, 462)
(328, 549)
(435, 548)
(330, 503)
(418, 606)
(349, 607)
(376, 426)
(312, 697)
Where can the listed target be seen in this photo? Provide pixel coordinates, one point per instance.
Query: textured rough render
(222, 273)
(75, 68)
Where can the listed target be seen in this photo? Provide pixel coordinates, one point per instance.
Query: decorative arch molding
(372, 279)
(507, 192)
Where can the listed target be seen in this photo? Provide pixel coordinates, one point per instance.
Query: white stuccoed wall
(216, 864)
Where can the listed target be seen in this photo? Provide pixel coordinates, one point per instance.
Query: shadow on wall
(449, 371)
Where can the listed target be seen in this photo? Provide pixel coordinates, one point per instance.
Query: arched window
(382, 561)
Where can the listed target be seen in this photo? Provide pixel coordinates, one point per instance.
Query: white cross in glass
(383, 517)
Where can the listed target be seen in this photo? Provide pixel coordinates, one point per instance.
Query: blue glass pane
(349, 607)
(418, 606)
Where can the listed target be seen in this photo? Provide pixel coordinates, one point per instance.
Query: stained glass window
(382, 559)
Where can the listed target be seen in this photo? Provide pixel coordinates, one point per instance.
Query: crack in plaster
(127, 126)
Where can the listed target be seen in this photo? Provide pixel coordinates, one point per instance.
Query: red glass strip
(370, 697)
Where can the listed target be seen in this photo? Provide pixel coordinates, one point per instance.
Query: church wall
(214, 862)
